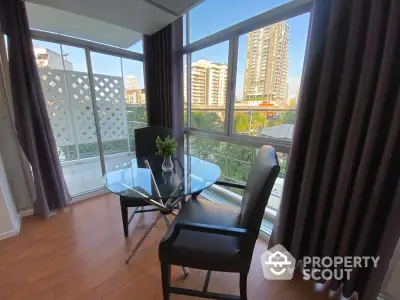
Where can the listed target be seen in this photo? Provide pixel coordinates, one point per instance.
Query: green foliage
(283, 165)
(244, 122)
(288, 117)
(137, 114)
(207, 120)
(165, 147)
(234, 160)
(260, 120)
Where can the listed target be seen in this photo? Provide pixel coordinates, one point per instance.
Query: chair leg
(166, 278)
(124, 214)
(243, 286)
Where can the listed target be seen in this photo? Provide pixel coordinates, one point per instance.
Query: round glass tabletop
(143, 178)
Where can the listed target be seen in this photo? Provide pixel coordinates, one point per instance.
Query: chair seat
(203, 250)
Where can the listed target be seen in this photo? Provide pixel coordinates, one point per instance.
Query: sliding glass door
(64, 77)
(120, 100)
(94, 102)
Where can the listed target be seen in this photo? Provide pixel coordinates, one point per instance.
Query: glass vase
(167, 163)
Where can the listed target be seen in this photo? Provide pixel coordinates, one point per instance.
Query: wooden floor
(79, 254)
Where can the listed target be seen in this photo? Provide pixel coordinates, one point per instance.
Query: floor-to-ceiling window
(94, 101)
(120, 97)
(209, 73)
(244, 69)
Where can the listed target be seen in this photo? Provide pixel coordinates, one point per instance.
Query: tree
(257, 122)
(288, 117)
(136, 114)
(207, 120)
(242, 122)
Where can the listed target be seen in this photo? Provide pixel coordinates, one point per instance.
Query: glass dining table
(142, 178)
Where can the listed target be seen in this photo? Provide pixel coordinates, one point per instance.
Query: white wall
(20, 180)
(9, 218)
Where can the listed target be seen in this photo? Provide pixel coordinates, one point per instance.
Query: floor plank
(79, 254)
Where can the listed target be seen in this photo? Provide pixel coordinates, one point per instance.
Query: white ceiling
(59, 21)
(136, 15)
(116, 22)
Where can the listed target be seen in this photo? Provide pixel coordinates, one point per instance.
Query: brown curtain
(31, 119)
(342, 195)
(163, 64)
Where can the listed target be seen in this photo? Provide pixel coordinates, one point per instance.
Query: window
(185, 92)
(267, 91)
(212, 16)
(184, 37)
(235, 163)
(209, 78)
(263, 74)
(137, 47)
(120, 98)
(65, 84)
(70, 78)
(135, 97)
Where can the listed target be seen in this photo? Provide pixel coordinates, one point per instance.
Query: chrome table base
(145, 235)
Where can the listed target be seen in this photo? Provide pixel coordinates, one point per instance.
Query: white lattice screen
(69, 105)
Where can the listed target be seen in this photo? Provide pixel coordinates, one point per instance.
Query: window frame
(232, 34)
(89, 47)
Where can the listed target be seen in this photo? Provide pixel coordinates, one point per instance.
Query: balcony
(71, 113)
(83, 174)
(70, 108)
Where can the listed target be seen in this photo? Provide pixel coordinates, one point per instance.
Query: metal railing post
(95, 110)
(70, 109)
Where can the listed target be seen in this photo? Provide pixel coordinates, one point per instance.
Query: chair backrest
(145, 139)
(264, 171)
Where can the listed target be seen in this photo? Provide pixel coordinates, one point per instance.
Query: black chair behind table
(214, 237)
(145, 143)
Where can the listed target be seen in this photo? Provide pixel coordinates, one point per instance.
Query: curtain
(31, 119)
(342, 195)
(14, 159)
(163, 64)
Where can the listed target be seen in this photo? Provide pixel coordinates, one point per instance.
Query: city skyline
(101, 63)
(46, 58)
(266, 71)
(209, 83)
(130, 82)
(266, 64)
(104, 64)
(235, 12)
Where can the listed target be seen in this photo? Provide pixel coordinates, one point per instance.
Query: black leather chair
(214, 237)
(145, 142)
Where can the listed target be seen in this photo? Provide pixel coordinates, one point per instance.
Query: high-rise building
(130, 82)
(209, 83)
(46, 58)
(135, 96)
(267, 61)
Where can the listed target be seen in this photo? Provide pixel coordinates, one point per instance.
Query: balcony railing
(235, 163)
(70, 109)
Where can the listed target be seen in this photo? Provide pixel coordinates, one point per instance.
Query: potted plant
(166, 147)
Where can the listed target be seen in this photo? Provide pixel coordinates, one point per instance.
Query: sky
(214, 15)
(101, 63)
(207, 18)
